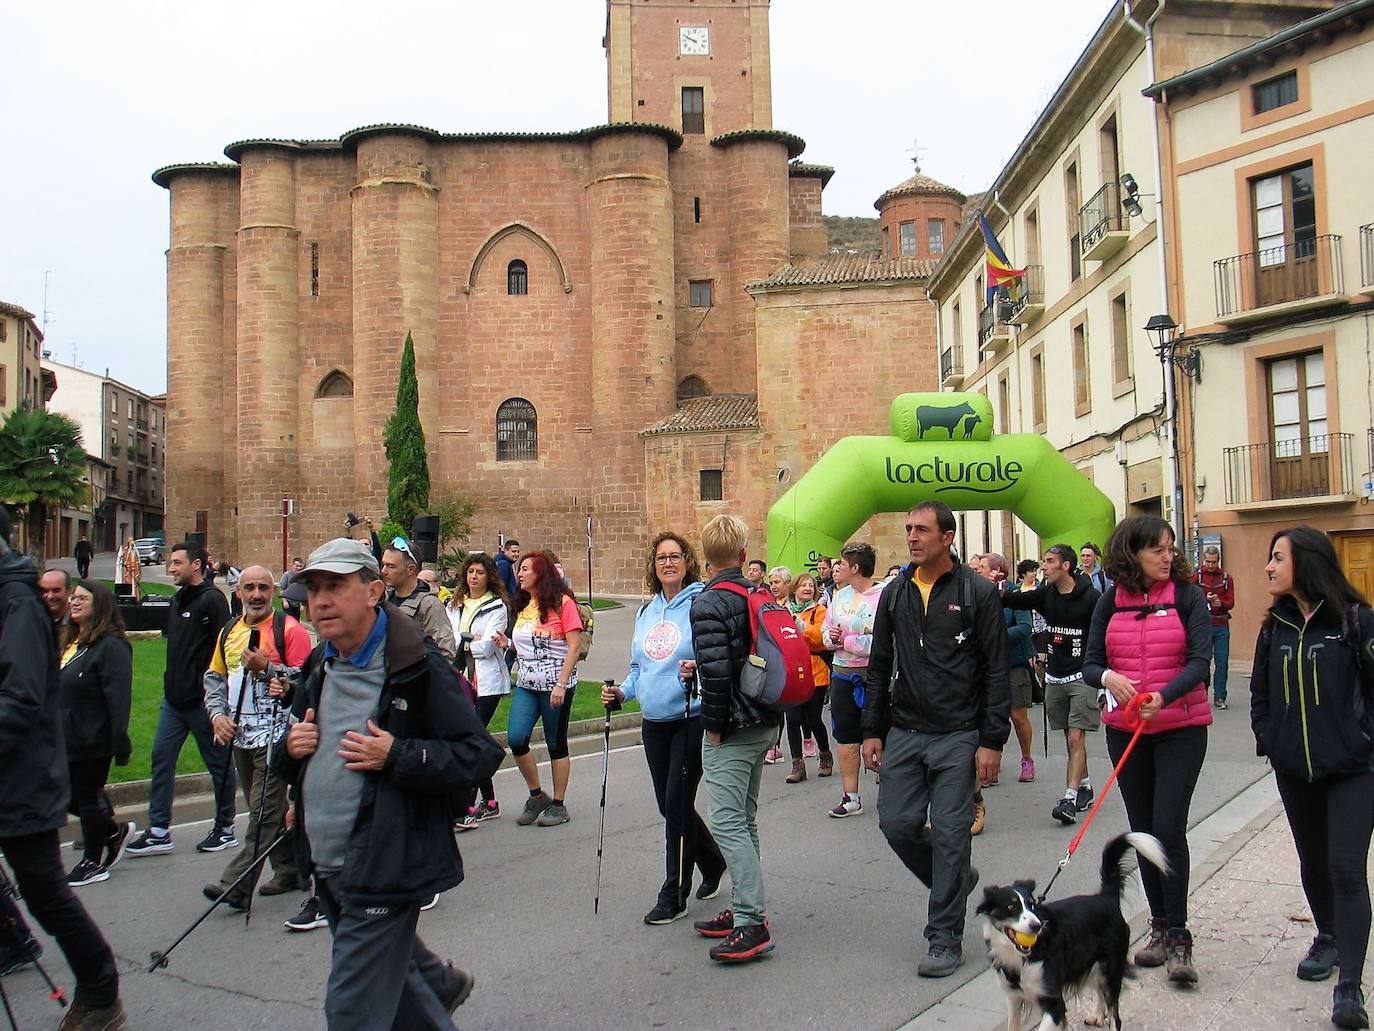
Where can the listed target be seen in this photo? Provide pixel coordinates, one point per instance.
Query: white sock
(158, 832)
(1071, 793)
(1084, 783)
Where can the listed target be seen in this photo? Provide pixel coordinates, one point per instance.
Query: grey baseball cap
(341, 555)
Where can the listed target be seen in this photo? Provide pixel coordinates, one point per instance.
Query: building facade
(1273, 280)
(22, 383)
(636, 321)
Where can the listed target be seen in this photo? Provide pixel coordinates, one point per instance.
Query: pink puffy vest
(1151, 651)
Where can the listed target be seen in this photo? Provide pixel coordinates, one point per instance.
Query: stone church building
(638, 321)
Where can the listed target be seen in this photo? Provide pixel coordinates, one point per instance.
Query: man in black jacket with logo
(938, 730)
(383, 751)
(198, 612)
(35, 788)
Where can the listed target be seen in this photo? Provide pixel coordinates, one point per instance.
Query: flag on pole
(999, 271)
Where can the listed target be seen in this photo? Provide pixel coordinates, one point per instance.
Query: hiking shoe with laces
(488, 810)
(980, 817)
(1178, 957)
(554, 814)
(1154, 951)
(310, 918)
(218, 840)
(86, 1018)
(1084, 797)
(149, 844)
(827, 765)
(233, 900)
(534, 808)
(798, 773)
(847, 806)
(743, 944)
(469, 822)
(460, 987)
(719, 926)
(665, 913)
(1066, 811)
(941, 960)
(1320, 958)
(88, 871)
(1027, 770)
(1347, 1005)
(116, 843)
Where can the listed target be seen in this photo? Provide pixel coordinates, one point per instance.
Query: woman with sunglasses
(478, 611)
(1310, 693)
(546, 638)
(660, 655)
(97, 693)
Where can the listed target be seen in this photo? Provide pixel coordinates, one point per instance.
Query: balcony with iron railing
(1028, 304)
(994, 331)
(1367, 258)
(1292, 277)
(1102, 226)
(952, 367)
(1314, 468)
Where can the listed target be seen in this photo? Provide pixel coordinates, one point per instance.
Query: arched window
(517, 435)
(517, 278)
(336, 384)
(692, 386)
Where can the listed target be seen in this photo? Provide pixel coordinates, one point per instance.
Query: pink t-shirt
(541, 644)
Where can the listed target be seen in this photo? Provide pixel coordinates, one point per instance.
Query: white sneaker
(848, 805)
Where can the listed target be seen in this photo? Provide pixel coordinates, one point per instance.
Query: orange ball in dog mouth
(1023, 941)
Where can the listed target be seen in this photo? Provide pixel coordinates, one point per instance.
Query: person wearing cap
(382, 741)
(415, 598)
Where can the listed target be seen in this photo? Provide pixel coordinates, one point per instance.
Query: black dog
(1045, 951)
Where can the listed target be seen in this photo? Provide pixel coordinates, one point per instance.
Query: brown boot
(1155, 950)
(798, 773)
(1179, 956)
(827, 765)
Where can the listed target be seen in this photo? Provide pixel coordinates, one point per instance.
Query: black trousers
(666, 743)
(1331, 823)
(1157, 785)
(91, 805)
(37, 867)
(808, 721)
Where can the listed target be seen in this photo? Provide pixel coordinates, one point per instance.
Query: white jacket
(481, 659)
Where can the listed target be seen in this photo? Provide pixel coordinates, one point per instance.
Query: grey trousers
(381, 975)
(932, 774)
(732, 771)
(250, 764)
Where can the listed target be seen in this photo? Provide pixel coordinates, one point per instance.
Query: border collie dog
(1045, 951)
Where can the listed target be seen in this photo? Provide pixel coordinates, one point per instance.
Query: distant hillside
(851, 234)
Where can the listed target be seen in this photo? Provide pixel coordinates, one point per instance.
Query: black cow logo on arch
(947, 418)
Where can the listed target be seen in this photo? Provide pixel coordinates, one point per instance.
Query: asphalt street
(846, 915)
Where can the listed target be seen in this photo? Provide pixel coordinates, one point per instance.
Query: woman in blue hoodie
(672, 722)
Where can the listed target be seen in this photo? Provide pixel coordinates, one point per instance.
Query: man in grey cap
(394, 747)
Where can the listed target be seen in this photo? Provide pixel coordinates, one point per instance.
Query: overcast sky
(94, 96)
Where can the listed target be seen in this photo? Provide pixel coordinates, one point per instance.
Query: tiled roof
(802, 170)
(835, 269)
(795, 144)
(14, 311)
(921, 184)
(712, 412)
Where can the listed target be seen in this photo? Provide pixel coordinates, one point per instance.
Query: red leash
(1131, 718)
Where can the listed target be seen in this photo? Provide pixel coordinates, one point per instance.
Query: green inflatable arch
(941, 448)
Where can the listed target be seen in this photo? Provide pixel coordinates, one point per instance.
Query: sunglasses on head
(401, 544)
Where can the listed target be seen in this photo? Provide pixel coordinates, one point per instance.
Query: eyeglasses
(400, 544)
(669, 560)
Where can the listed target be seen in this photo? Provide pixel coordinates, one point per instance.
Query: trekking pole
(55, 992)
(262, 799)
(158, 958)
(605, 772)
(1131, 717)
(688, 683)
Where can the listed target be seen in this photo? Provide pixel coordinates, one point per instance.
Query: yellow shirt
(924, 588)
(69, 654)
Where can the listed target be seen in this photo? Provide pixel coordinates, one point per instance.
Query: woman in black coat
(1310, 707)
(97, 692)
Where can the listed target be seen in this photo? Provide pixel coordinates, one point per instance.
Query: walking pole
(687, 685)
(605, 772)
(262, 798)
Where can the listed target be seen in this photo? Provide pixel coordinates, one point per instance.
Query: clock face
(694, 39)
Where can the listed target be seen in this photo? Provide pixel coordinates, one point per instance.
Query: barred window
(517, 434)
(517, 278)
(712, 487)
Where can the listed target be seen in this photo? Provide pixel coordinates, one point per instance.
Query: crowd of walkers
(921, 676)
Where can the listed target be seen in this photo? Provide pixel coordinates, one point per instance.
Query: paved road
(846, 914)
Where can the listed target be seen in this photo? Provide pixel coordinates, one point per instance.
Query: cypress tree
(407, 492)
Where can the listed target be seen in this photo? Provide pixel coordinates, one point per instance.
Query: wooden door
(1356, 553)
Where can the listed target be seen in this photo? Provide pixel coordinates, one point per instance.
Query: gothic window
(517, 278)
(692, 386)
(517, 435)
(336, 384)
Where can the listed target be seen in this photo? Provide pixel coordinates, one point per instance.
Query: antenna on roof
(47, 315)
(915, 153)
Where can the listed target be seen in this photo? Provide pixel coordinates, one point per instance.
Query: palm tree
(42, 465)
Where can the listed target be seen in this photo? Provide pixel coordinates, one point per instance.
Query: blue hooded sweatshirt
(663, 637)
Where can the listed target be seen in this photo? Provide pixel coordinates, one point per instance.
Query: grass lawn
(150, 659)
(147, 587)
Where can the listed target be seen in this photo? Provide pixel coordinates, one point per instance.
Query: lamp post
(1165, 331)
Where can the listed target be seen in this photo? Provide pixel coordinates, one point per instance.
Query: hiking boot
(665, 913)
(488, 810)
(534, 808)
(88, 871)
(827, 766)
(941, 960)
(218, 840)
(1083, 797)
(278, 885)
(1027, 770)
(980, 817)
(232, 900)
(1154, 951)
(1347, 1005)
(460, 987)
(1066, 811)
(848, 806)
(798, 773)
(310, 918)
(1179, 957)
(553, 814)
(20, 955)
(84, 1018)
(1320, 958)
(116, 843)
(149, 844)
(710, 886)
(744, 944)
(809, 749)
(719, 926)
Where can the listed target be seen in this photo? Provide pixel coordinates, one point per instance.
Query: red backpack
(778, 674)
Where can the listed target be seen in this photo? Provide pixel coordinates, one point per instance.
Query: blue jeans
(174, 724)
(527, 706)
(1221, 655)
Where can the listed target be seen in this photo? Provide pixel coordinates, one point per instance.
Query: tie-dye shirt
(541, 645)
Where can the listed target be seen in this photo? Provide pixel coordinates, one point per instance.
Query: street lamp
(1165, 331)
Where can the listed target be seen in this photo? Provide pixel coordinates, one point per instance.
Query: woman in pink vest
(1151, 634)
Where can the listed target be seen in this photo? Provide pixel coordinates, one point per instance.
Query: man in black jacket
(35, 789)
(738, 735)
(938, 730)
(198, 613)
(384, 750)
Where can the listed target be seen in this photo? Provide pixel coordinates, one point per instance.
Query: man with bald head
(243, 687)
(56, 587)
